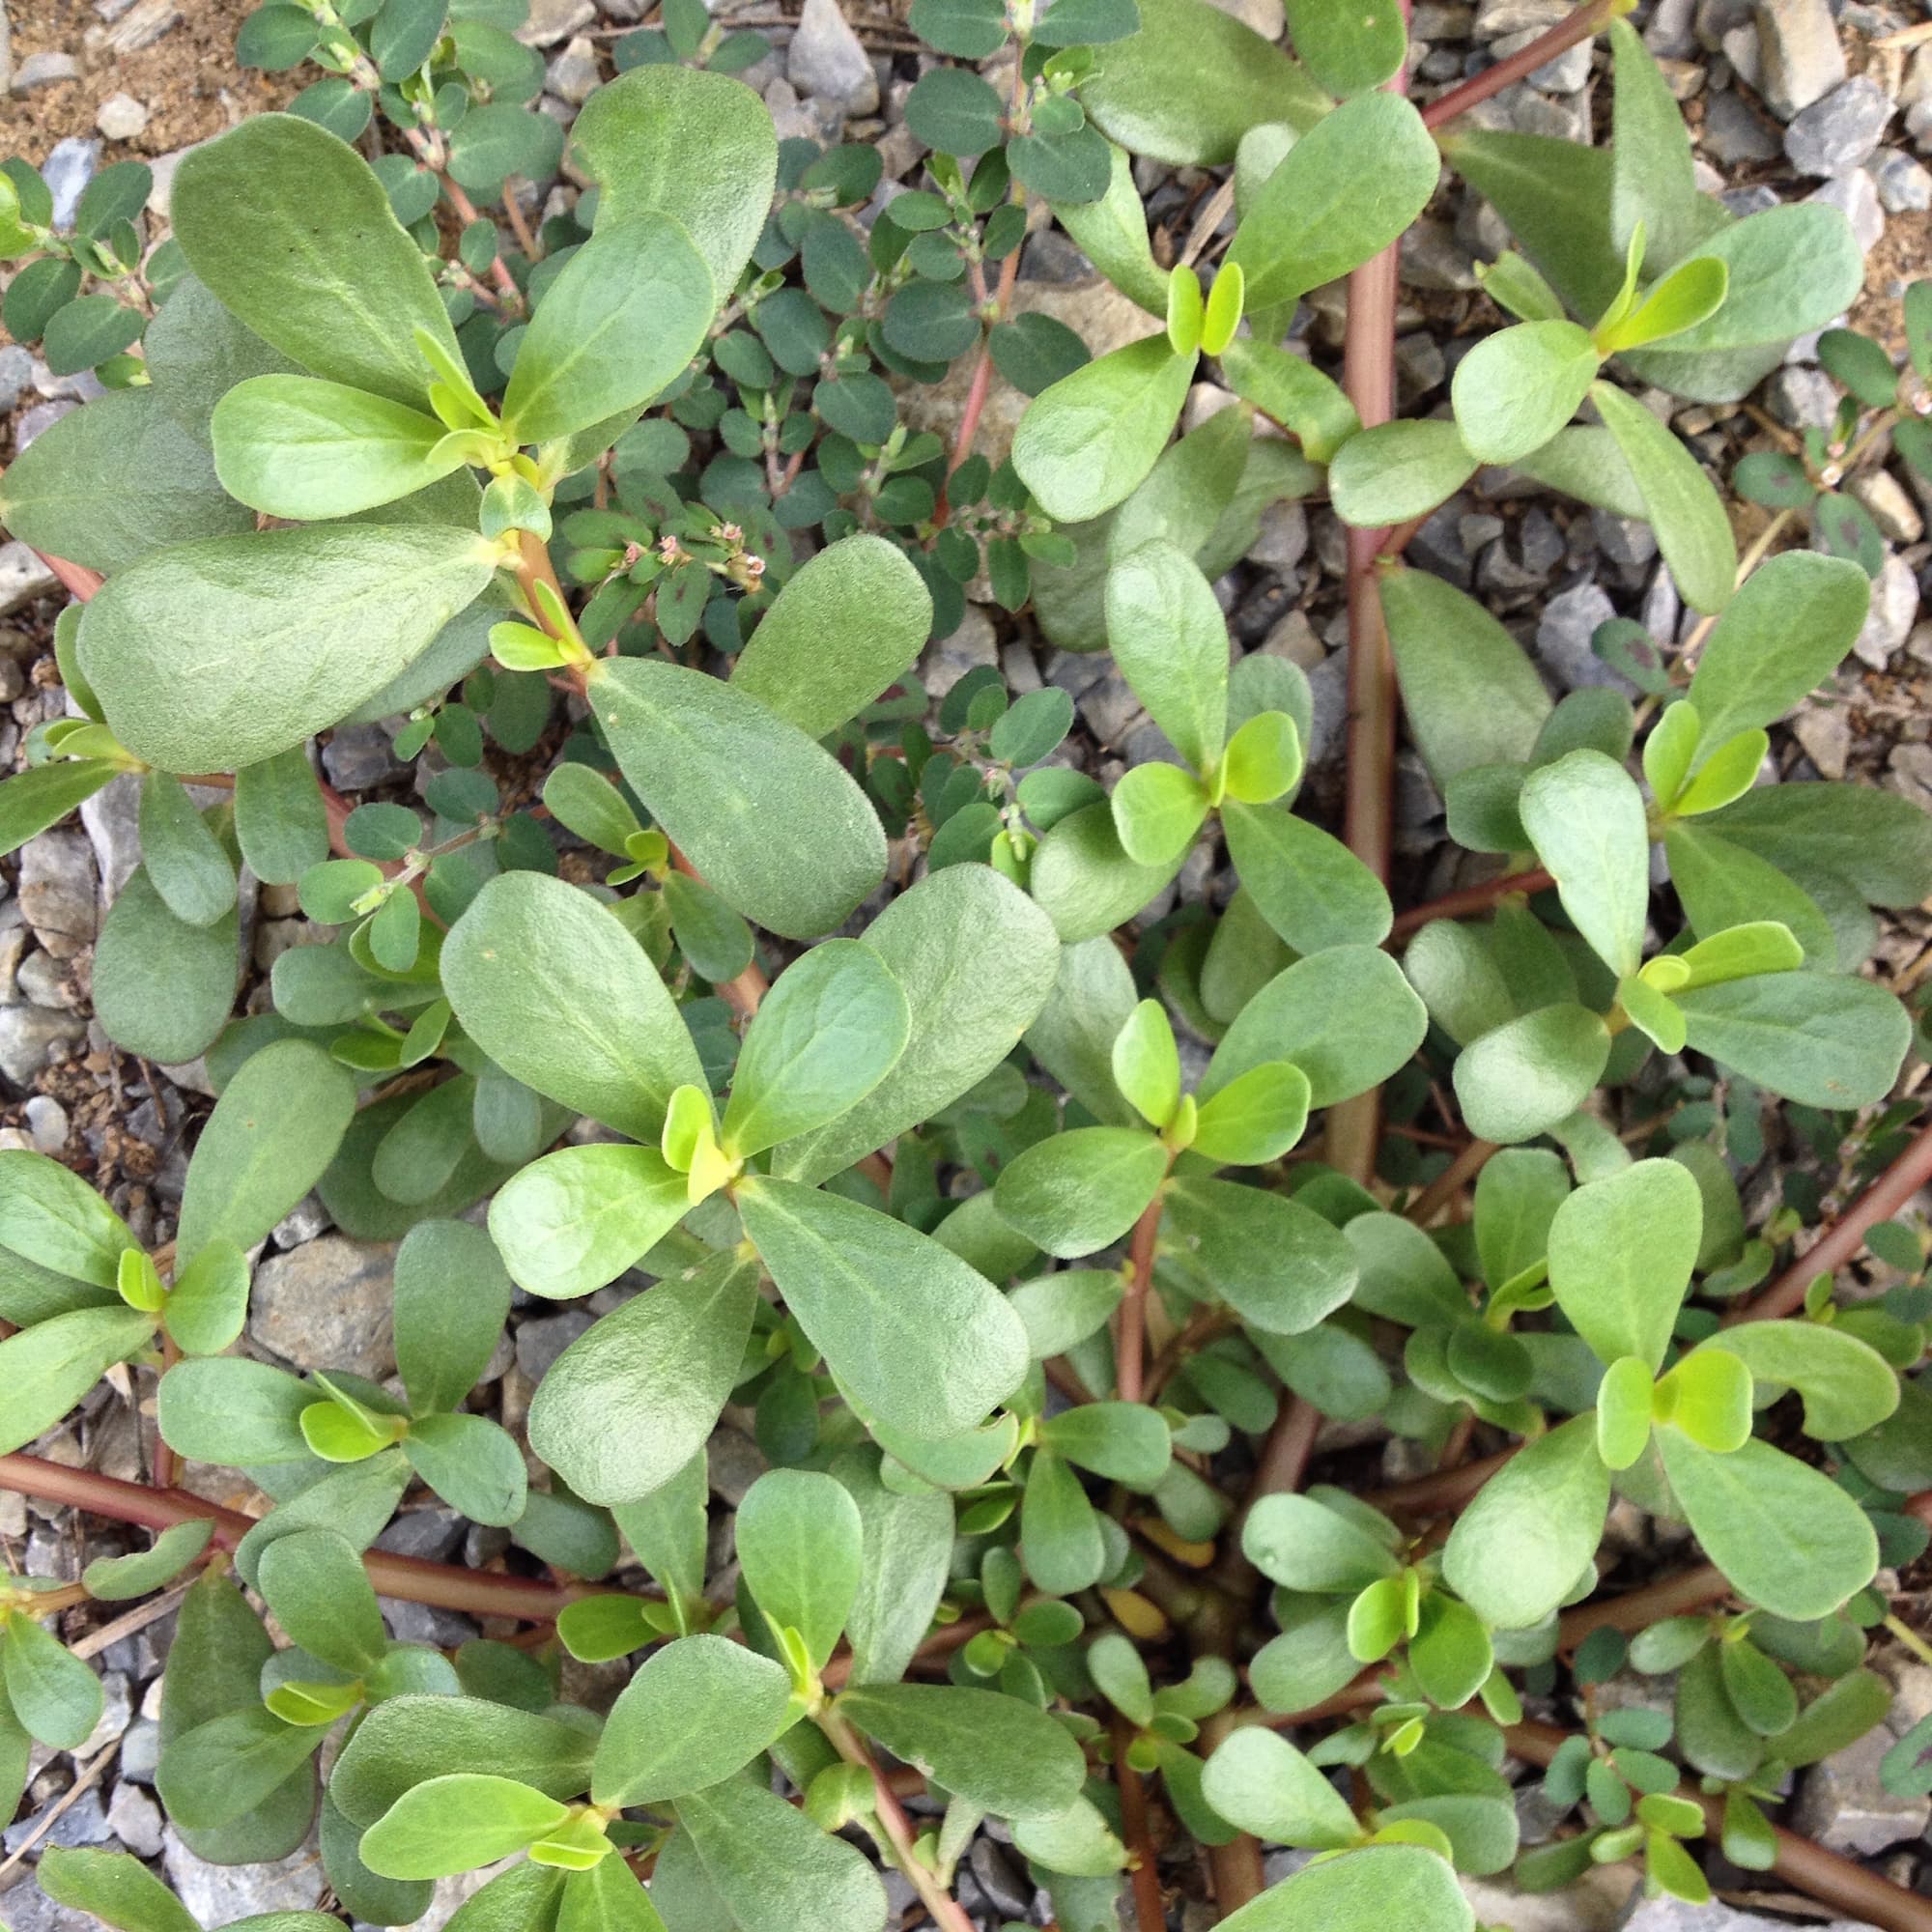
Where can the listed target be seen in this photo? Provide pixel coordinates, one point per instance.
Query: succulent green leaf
(1361, 1891)
(1585, 816)
(1621, 1253)
(456, 1823)
(1081, 1190)
(1520, 1080)
(1260, 1781)
(774, 1869)
(1515, 389)
(1683, 508)
(1847, 1385)
(1398, 471)
(999, 1754)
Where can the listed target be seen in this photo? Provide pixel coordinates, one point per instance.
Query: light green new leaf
(999, 1754)
(975, 958)
(456, 1823)
(273, 1132)
(51, 1216)
(613, 1044)
(56, 1698)
(1683, 505)
(918, 1338)
(1309, 886)
(1367, 1891)
(610, 1896)
(1169, 640)
(775, 1870)
(832, 1026)
(1398, 471)
(1621, 1254)
(1146, 1064)
(1529, 1537)
(621, 319)
(699, 1709)
(220, 653)
(1347, 188)
(1823, 1039)
(635, 136)
(800, 1543)
(1294, 1541)
(1653, 182)
(577, 1218)
(1088, 440)
(208, 1302)
(1347, 1017)
(1691, 291)
(1157, 810)
(1257, 1780)
(1515, 389)
(1708, 1396)
(299, 447)
(1278, 1263)
(1192, 82)
(845, 626)
(1472, 696)
(627, 1406)
(1785, 1535)
(1780, 636)
(1520, 1080)
(1256, 1118)
(1847, 1385)
(293, 232)
(1079, 1191)
(1585, 817)
(776, 825)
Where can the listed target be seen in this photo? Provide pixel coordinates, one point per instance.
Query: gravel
(1841, 130)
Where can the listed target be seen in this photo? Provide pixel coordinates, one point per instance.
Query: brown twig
(1137, 1834)
(1836, 1882)
(1451, 1181)
(1581, 25)
(1468, 900)
(1130, 1334)
(1840, 1241)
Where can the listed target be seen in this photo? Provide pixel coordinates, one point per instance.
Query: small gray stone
(47, 1122)
(1802, 398)
(1894, 608)
(1839, 131)
(1496, 17)
(29, 1909)
(734, 1462)
(44, 70)
(327, 1305)
(1565, 74)
(303, 1222)
(1625, 540)
(1855, 195)
(1570, 620)
(827, 59)
(117, 1707)
(947, 659)
(1328, 692)
(1891, 507)
(141, 1751)
(573, 74)
(1293, 637)
(216, 1894)
(57, 893)
(358, 756)
(83, 1823)
(1800, 54)
(141, 26)
(1732, 133)
(1284, 536)
(1110, 708)
(111, 820)
(1844, 1805)
(16, 366)
(23, 576)
(1903, 184)
(1826, 734)
(541, 1341)
(135, 1819)
(121, 117)
(33, 422)
(554, 20)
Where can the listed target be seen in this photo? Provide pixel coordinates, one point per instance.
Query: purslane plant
(540, 500)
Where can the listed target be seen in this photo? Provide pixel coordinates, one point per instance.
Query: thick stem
(1137, 1834)
(1585, 21)
(1130, 1338)
(1451, 1181)
(946, 1911)
(1836, 1882)
(1840, 1242)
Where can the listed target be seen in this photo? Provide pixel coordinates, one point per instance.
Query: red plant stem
(1466, 900)
(1840, 1242)
(1692, 1589)
(981, 383)
(1585, 21)
(1137, 1834)
(407, 1577)
(743, 993)
(1130, 1339)
(1836, 1882)
(1451, 1181)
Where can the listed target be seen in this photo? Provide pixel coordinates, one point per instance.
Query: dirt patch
(187, 78)
(1903, 255)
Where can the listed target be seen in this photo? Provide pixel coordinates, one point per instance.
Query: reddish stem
(1579, 26)
(79, 581)
(1130, 1337)
(1836, 1882)
(1840, 1242)
(981, 383)
(1136, 1833)
(1468, 900)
